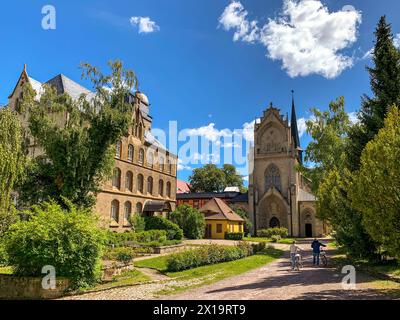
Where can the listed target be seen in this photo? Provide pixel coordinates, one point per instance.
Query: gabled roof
(182, 186)
(217, 209)
(64, 84)
(306, 196)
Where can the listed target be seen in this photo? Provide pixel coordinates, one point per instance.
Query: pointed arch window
(130, 153)
(273, 178)
(116, 181)
(139, 208)
(118, 150)
(169, 189)
(129, 181)
(128, 211)
(141, 157)
(140, 183)
(161, 188)
(150, 185)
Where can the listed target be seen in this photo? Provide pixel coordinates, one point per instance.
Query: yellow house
(220, 219)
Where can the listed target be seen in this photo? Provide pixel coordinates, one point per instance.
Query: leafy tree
(138, 223)
(376, 188)
(69, 240)
(12, 164)
(210, 178)
(190, 220)
(248, 225)
(385, 84)
(331, 178)
(79, 149)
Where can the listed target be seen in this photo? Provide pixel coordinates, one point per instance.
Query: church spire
(293, 127)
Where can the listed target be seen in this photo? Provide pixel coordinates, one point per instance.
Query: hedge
(144, 238)
(159, 223)
(234, 235)
(268, 233)
(207, 255)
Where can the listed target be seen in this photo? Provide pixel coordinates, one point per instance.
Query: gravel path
(276, 281)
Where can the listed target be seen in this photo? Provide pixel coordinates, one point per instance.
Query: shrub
(123, 254)
(144, 237)
(234, 235)
(257, 247)
(69, 240)
(268, 233)
(159, 223)
(207, 255)
(3, 255)
(276, 238)
(190, 220)
(138, 223)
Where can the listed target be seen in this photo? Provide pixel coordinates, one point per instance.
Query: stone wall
(12, 287)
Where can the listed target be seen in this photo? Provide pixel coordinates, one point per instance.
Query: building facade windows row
(115, 212)
(163, 167)
(116, 183)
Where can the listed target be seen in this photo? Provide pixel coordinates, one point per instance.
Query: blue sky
(190, 66)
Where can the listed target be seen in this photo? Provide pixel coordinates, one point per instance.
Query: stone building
(144, 177)
(280, 196)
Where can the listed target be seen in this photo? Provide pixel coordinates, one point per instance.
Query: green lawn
(211, 273)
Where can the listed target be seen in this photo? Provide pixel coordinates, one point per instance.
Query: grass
(211, 273)
(127, 278)
(6, 270)
(269, 240)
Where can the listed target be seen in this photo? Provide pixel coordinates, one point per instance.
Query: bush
(69, 240)
(144, 237)
(207, 255)
(257, 247)
(268, 233)
(3, 255)
(122, 254)
(190, 220)
(159, 223)
(234, 235)
(138, 223)
(276, 238)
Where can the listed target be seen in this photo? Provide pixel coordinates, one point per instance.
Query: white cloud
(396, 41)
(209, 132)
(235, 17)
(301, 126)
(305, 37)
(353, 117)
(144, 24)
(182, 166)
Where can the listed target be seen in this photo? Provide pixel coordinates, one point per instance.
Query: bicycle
(323, 258)
(298, 262)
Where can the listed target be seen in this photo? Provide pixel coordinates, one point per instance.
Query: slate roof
(64, 84)
(217, 209)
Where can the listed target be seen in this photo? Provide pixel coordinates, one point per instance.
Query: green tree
(210, 178)
(376, 188)
(331, 178)
(190, 220)
(385, 85)
(79, 149)
(12, 164)
(248, 225)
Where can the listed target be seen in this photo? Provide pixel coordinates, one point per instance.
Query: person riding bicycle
(316, 246)
(294, 250)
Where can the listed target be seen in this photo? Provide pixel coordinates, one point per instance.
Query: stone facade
(279, 196)
(144, 177)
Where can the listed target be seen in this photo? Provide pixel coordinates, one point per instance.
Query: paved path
(276, 281)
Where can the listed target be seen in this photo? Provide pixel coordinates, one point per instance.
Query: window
(150, 159)
(169, 189)
(115, 210)
(150, 185)
(116, 181)
(273, 178)
(219, 228)
(129, 181)
(141, 157)
(161, 164)
(140, 132)
(139, 208)
(118, 150)
(161, 188)
(128, 211)
(130, 153)
(140, 183)
(169, 166)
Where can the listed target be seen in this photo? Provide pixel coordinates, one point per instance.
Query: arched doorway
(274, 223)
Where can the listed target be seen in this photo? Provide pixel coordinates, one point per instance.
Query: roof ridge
(220, 208)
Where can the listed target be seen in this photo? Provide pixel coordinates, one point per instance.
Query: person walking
(316, 246)
(294, 249)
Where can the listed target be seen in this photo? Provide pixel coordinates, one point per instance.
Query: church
(279, 195)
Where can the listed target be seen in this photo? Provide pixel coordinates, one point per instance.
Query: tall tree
(385, 85)
(12, 164)
(79, 151)
(232, 177)
(331, 178)
(376, 188)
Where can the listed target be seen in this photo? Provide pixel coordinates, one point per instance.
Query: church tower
(277, 192)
